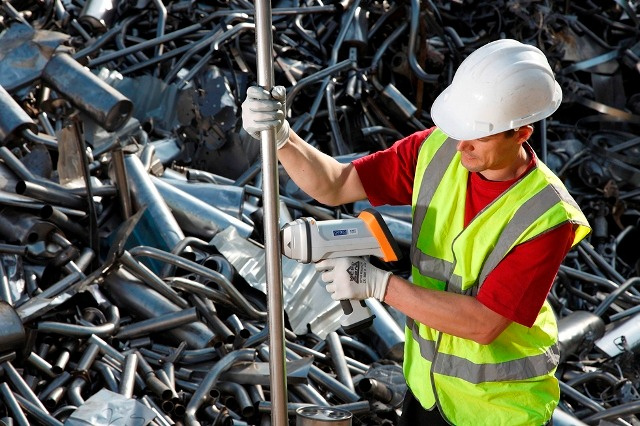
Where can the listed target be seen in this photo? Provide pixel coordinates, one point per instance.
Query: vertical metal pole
(264, 58)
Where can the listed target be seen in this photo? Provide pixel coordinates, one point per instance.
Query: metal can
(322, 416)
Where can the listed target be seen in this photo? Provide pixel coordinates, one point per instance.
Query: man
(491, 225)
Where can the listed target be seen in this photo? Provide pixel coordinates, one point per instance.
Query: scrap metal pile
(131, 259)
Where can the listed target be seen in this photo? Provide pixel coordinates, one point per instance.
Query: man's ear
(524, 133)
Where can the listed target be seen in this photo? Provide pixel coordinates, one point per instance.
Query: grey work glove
(353, 278)
(263, 111)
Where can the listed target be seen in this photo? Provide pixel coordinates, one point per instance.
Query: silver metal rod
(159, 323)
(127, 380)
(339, 362)
(275, 310)
(12, 404)
(40, 414)
(20, 385)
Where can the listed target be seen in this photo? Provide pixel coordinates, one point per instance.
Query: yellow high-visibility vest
(511, 380)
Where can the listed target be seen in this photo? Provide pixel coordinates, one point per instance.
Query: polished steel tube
(340, 390)
(54, 397)
(264, 61)
(309, 394)
(50, 195)
(361, 407)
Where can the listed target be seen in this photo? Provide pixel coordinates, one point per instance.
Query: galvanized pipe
(210, 380)
(309, 394)
(12, 405)
(122, 182)
(214, 276)
(207, 310)
(41, 364)
(59, 381)
(144, 302)
(147, 276)
(107, 374)
(227, 198)
(76, 330)
(389, 337)
(247, 410)
(339, 362)
(103, 103)
(18, 383)
(195, 216)
(144, 193)
(376, 389)
(41, 414)
(13, 119)
(127, 379)
(158, 324)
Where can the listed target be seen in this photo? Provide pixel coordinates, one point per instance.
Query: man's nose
(464, 145)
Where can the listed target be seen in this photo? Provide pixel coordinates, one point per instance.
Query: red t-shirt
(518, 286)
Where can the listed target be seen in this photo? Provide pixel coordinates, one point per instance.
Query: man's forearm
(451, 313)
(319, 175)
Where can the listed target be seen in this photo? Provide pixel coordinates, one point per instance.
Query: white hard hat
(503, 85)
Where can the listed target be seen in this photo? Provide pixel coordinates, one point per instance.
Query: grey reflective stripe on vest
(430, 266)
(427, 265)
(526, 215)
(455, 366)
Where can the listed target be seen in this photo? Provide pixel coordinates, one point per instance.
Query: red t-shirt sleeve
(387, 176)
(518, 286)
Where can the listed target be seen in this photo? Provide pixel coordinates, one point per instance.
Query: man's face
(490, 154)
